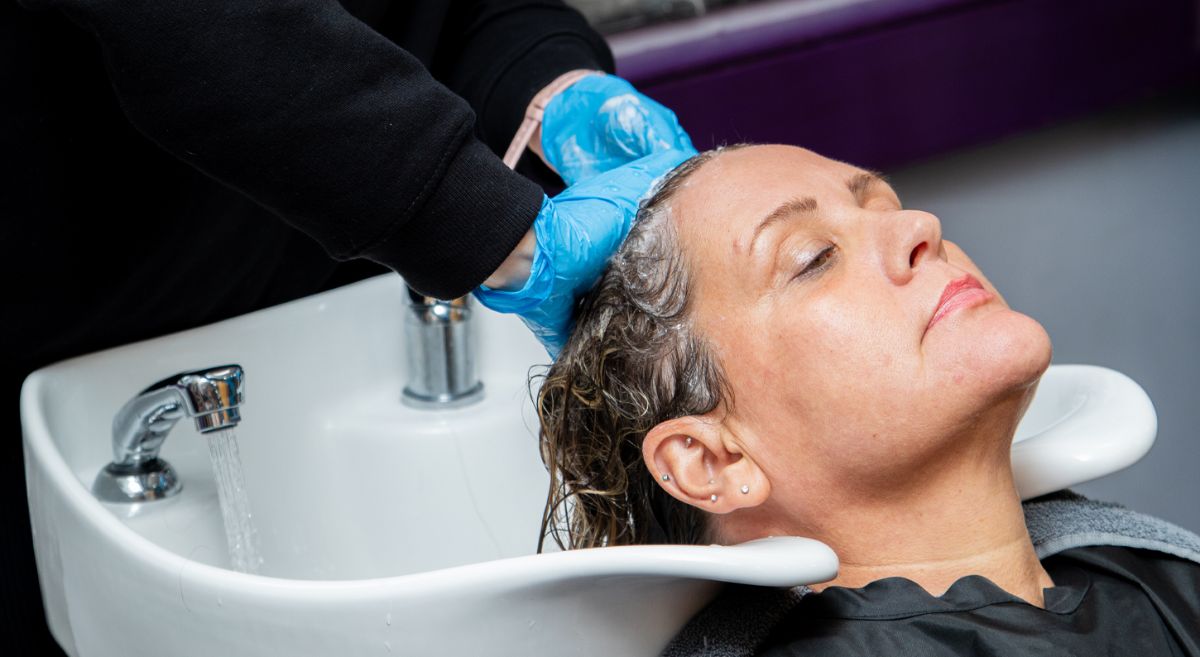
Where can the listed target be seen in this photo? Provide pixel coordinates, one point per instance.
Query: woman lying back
(781, 348)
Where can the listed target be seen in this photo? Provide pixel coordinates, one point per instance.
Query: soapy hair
(633, 361)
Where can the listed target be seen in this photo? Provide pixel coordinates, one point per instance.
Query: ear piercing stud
(745, 489)
(714, 497)
(688, 442)
(666, 477)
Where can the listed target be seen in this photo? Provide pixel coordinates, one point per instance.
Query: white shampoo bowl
(391, 530)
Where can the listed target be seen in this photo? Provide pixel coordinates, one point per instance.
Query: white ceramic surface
(388, 530)
(1085, 422)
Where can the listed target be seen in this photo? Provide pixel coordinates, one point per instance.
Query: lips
(959, 293)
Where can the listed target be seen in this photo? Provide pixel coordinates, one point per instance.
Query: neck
(935, 546)
(964, 519)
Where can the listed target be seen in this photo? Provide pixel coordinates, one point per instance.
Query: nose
(915, 238)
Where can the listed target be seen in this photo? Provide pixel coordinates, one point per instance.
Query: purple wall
(885, 82)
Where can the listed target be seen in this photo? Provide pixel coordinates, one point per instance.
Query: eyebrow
(860, 183)
(805, 206)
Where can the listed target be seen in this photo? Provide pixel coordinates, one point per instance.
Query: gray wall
(1093, 228)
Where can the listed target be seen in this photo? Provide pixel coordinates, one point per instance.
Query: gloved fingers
(591, 219)
(601, 122)
(632, 125)
(625, 186)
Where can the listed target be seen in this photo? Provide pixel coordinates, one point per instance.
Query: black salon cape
(1106, 601)
(165, 164)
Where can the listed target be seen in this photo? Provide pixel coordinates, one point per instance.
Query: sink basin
(386, 529)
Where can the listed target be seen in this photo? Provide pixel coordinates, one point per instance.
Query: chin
(1003, 352)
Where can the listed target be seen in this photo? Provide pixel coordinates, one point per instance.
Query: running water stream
(235, 506)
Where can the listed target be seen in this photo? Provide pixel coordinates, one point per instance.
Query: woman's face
(820, 294)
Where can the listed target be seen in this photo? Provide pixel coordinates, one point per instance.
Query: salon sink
(1085, 422)
(386, 529)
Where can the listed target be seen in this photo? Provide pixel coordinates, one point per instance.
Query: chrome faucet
(440, 343)
(210, 397)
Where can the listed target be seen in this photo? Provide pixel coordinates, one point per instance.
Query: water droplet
(388, 646)
(220, 602)
(388, 618)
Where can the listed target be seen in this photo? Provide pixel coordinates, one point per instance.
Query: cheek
(817, 362)
(845, 344)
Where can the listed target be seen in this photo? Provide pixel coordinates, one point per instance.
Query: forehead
(722, 200)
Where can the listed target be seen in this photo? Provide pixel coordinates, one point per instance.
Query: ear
(701, 459)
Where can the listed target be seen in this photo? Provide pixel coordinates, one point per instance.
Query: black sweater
(325, 116)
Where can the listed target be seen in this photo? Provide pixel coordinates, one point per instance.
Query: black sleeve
(497, 54)
(324, 121)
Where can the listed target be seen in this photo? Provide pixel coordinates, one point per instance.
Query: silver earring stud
(666, 477)
(714, 497)
(745, 489)
(688, 442)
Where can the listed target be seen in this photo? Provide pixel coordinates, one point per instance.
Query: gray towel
(741, 617)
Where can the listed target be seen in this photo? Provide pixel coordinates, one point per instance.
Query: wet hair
(633, 361)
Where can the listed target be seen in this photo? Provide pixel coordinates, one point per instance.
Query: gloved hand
(575, 234)
(601, 122)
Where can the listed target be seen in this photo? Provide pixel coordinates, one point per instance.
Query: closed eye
(818, 263)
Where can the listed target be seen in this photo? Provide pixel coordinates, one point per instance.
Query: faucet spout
(210, 397)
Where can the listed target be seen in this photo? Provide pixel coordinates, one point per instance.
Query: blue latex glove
(575, 234)
(601, 122)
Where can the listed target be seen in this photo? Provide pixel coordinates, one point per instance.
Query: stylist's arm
(344, 135)
(322, 120)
